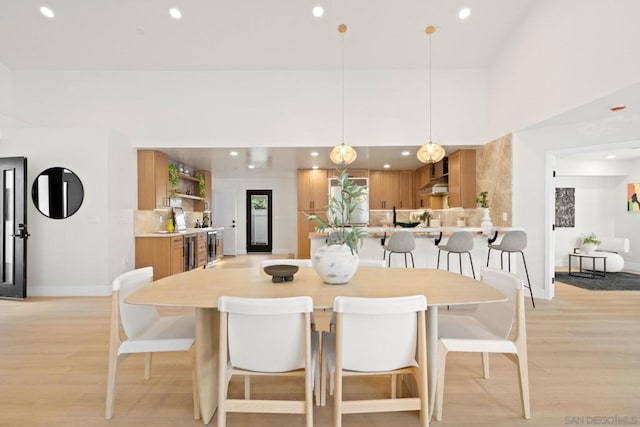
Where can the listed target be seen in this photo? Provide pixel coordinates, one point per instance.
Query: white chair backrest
(371, 263)
(499, 317)
(401, 241)
(614, 244)
(513, 241)
(134, 318)
(266, 334)
(286, 261)
(460, 241)
(379, 334)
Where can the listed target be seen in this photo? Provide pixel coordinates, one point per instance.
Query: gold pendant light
(430, 152)
(342, 154)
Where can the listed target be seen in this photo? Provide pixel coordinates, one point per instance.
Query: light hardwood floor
(584, 361)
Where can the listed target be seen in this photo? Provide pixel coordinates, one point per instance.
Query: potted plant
(589, 243)
(174, 180)
(337, 261)
(202, 185)
(483, 201)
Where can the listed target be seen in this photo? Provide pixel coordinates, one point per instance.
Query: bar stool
(459, 243)
(400, 242)
(513, 241)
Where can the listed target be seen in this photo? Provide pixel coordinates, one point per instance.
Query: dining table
(201, 289)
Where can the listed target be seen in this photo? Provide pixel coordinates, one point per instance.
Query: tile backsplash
(152, 221)
(448, 217)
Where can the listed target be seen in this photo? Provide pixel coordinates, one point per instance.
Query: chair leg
(488, 255)
(323, 382)
(247, 387)
(448, 253)
(439, 403)
(413, 265)
(471, 261)
(405, 260)
(438, 263)
(485, 365)
(111, 385)
(389, 260)
(147, 366)
(528, 280)
(523, 377)
(337, 399)
(460, 262)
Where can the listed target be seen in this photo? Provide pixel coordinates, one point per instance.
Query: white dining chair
(377, 336)
(492, 328)
(267, 336)
(146, 332)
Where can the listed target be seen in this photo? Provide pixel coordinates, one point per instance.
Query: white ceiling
(277, 35)
(250, 34)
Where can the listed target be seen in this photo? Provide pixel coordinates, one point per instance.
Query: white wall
(628, 223)
(595, 211)
(565, 54)
(5, 90)
(285, 236)
(259, 108)
(77, 255)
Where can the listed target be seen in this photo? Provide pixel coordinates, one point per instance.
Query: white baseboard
(68, 291)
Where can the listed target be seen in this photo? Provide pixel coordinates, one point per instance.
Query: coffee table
(592, 274)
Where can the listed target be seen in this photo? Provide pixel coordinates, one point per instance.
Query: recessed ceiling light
(314, 153)
(617, 108)
(175, 13)
(46, 11)
(251, 167)
(233, 153)
(386, 166)
(611, 156)
(464, 13)
(318, 11)
(405, 153)
(314, 167)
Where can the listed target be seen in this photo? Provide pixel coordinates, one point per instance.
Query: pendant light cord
(342, 81)
(430, 95)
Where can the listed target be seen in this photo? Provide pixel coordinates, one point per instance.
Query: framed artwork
(633, 195)
(565, 207)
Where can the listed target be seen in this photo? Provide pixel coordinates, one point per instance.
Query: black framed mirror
(57, 193)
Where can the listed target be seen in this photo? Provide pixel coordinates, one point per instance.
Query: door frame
(268, 248)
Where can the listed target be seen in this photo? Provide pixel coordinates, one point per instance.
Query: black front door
(13, 217)
(259, 221)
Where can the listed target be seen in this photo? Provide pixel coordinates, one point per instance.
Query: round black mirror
(57, 193)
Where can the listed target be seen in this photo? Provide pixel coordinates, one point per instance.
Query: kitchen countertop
(188, 231)
(422, 231)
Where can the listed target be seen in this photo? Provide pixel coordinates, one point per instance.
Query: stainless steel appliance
(211, 247)
(189, 251)
(219, 243)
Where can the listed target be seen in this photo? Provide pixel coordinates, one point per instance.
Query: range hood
(439, 188)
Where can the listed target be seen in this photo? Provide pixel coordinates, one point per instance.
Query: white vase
(335, 264)
(588, 248)
(486, 219)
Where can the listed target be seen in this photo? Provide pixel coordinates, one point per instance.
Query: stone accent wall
(494, 174)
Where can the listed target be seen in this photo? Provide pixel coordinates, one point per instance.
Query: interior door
(13, 217)
(226, 213)
(259, 221)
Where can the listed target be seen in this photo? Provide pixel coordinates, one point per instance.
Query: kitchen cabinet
(164, 254)
(201, 250)
(391, 188)
(153, 179)
(305, 227)
(422, 178)
(462, 179)
(313, 189)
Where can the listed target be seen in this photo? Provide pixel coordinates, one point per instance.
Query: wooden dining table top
(202, 288)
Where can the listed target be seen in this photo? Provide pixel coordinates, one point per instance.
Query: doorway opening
(259, 221)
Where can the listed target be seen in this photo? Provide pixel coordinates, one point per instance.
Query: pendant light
(342, 154)
(430, 152)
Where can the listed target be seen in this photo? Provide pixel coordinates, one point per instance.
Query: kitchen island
(426, 252)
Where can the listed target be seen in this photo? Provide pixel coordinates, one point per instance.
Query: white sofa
(612, 248)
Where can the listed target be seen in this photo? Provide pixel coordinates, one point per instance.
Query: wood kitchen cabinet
(391, 188)
(313, 189)
(422, 178)
(305, 227)
(164, 254)
(201, 250)
(462, 179)
(153, 179)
